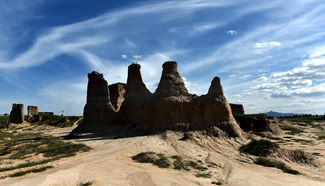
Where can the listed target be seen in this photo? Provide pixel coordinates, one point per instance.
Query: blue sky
(270, 55)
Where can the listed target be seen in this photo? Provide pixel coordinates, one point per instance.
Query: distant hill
(279, 114)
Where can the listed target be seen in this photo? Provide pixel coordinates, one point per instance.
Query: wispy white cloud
(201, 28)
(54, 42)
(137, 56)
(232, 32)
(269, 44)
(307, 30)
(245, 77)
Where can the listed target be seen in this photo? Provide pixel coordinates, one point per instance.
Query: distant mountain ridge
(279, 114)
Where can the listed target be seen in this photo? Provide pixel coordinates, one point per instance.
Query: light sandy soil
(109, 163)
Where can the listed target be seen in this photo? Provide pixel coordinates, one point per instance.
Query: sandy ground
(109, 163)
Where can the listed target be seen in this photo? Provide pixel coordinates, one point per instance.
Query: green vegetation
(320, 137)
(266, 136)
(162, 161)
(52, 120)
(292, 130)
(251, 116)
(216, 183)
(316, 154)
(259, 147)
(178, 163)
(58, 121)
(195, 165)
(303, 118)
(21, 173)
(3, 121)
(27, 164)
(26, 145)
(277, 164)
(203, 175)
(304, 142)
(144, 157)
(151, 157)
(88, 183)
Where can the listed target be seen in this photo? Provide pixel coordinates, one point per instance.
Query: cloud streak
(278, 54)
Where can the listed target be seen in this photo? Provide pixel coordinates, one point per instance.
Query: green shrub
(151, 157)
(195, 165)
(259, 147)
(144, 157)
(3, 121)
(203, 175)
(21, 173)
(23, 145)
(316, 154)
(59, 121)
(88, 183)
(292, 130)
(321, 137)
(277, 164)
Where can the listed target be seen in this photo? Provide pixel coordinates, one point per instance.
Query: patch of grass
(58, 121)
(291, 130)
(175, 157)
(27, 164)
(321, 137)
(144, 157)
(305, 119)
(203, 175)
(304, 142)
(259, 147)
(3, 121)
(162, 162)
(57, 147)
(88, 183)
(277, 164)
(195, 165)
(23, 145)
(178, 163)
(317, 126)
(302, 124)
(251, 116)
(21, 173)
(261, 134)
(316, 154)
(151, 157)
(266, 136)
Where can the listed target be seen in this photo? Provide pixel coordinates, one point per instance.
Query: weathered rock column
(217, 111)
(135, 85)
(215, 89)
(136, 107)
(171, 82)
(237, 109)
(17, 113)
(98, 107)
(32, 112)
